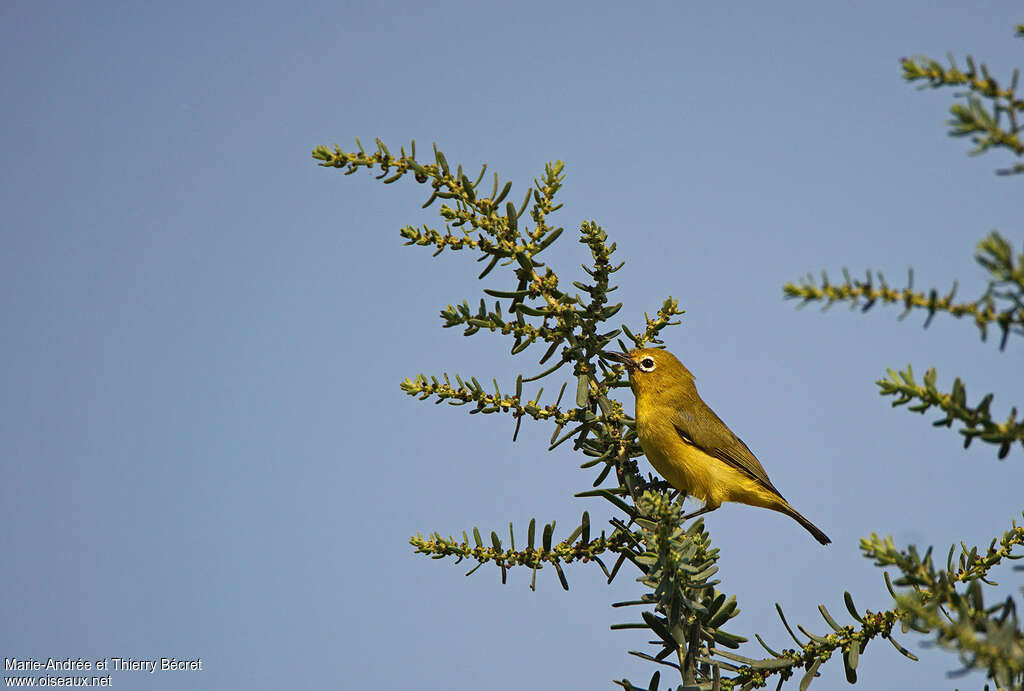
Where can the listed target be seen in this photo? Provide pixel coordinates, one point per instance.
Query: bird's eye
(647, 364)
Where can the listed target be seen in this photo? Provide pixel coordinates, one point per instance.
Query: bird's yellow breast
(688, 468)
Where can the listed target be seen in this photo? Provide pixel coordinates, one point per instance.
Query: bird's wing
(707, 432)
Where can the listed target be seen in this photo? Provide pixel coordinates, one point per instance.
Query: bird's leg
(708, 508)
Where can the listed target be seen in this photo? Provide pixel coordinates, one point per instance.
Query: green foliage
(949, 603)
(682, 606)
(988, 638)
(686, 611)
(989, 112)
(577, 547)
(1001, 304)
(535, 309)
(978, 422)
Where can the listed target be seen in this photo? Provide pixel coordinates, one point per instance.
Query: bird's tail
(810, 527)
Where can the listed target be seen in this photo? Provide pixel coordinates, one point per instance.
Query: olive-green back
(699, 426)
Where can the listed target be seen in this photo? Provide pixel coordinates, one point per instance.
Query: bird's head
(653, 370)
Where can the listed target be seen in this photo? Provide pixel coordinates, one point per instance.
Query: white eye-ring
(647, 364)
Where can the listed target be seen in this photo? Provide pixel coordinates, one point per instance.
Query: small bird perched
(690, 446)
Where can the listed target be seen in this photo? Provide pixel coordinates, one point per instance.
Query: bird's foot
(699, 512)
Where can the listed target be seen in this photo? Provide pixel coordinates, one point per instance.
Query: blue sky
(205, 449)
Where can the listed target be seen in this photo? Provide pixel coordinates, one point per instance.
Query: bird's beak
(621, 357)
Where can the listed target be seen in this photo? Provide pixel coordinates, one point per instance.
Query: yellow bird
(690, 446)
